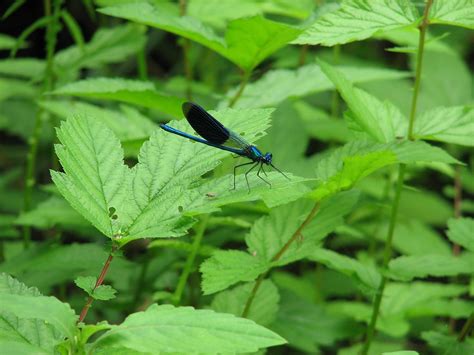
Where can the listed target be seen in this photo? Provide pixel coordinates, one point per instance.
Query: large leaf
(135, 92)
(264, 306)
(410, 267)
(280, 84)
(95, 177)
(382, 121)
(461, 231)
(447, 124)
(356, 20)
(453, 12)
(156, 197)
(448, 344)
(29, 68)
(247, 42)
(24, 303)
(186, 330)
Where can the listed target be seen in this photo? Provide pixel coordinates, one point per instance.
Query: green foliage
(455, 12)
(102, 292)
(163, 328)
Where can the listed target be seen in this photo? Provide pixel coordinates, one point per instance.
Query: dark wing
(204, 124)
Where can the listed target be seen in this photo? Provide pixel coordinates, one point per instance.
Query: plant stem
(188, 70)
(99, 282)
(50, 38)
(335, 94)
(398, 191)
(243, 84)
(467, 328)
(278, 255)
(201, 228)
(303, 54)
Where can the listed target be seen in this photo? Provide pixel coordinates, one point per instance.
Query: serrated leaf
(22, 303)
(280, 84)
(264, 306)
(356, 20)
(446, 124)
(87, 283)
(448, 344)
(104, 293)
(461, 231)
(226, 268)
(55, 211)
(410, 267)
(95, 177)
(128, 123)
(382, 121)
(134, 92)
(453, 12)
(163, 329)
(247, 42)
(365, 274)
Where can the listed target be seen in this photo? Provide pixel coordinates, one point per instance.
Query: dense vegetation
(117, 237)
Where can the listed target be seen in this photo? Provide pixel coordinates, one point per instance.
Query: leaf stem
(467, 328)
(201, 228)
(401, 174)
(243, 84)
(99, 282)
(278, 255)
(50, 38)
(303, 54)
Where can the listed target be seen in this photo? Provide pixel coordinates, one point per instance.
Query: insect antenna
(281, 172)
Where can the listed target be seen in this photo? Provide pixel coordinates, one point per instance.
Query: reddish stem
(99, 281)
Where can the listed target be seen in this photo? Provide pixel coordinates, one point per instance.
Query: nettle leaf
(226, 268)
(28, 68)
(447, 124)
(367, 275)
(461, 231)
(134, 92)
(382, 121)
(356, 20)
(268, 235)
(108, 45)
(280, 84)
(128, 124)
(95, 177)
(24, 303)
(247, 42)
(55, 211)
(342, 168)
(33, 335)
(264, 306)
(448, 344)
(410, 267)
(103, 292)
(158, 197)
(453, 12)
(86, 283)
(163, 329)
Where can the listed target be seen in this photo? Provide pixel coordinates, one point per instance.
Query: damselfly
(218, 136)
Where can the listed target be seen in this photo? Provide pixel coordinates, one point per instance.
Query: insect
(217, 136)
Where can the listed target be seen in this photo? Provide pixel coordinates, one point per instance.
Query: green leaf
(108, 45)
(87, 283)
(18, 300)
(6, 42)
(74, 28)
(163, 328)
(104, 293)
(247, 42)
(448, 344)
(382, 121)
(226, 268)
(364, 274)
(25, 335)
(461, 231)
(280, 84)
(264, 305)
(446, 124)
(453, 12)
(29, 68)
(410, 267)
(307, 325)
(128, 123)
(356, 20)
(95, 177)
(135, 92)
(53, 212)
(16, 88)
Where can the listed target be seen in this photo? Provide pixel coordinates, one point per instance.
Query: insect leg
(258, 174)
(235, 170)
(248, 171)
